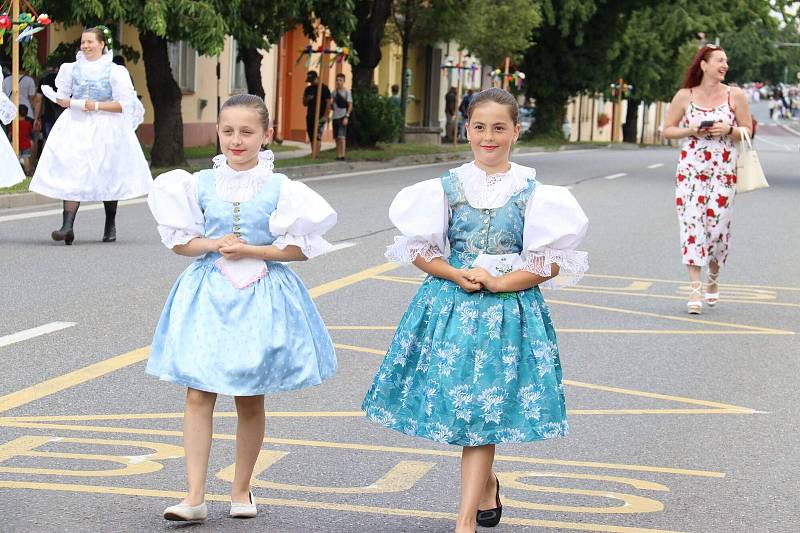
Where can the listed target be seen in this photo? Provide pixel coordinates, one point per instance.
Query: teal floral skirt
(471, 369)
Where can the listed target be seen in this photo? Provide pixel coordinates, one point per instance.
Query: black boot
(110, 230)
(65, 233)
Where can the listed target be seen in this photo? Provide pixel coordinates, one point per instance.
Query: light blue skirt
(471, 369)
(267, 337)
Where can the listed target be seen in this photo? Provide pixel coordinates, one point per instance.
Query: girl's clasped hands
(475, 279)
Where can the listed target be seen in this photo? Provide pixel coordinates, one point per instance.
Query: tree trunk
(372, 16)
(549, 115)
(631, 121)
(166, 97)
(251, 58)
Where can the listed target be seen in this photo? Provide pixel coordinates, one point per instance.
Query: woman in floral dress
(474, 361)
(706, 114)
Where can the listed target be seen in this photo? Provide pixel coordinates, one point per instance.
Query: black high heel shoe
(491, 517)
(65, 233)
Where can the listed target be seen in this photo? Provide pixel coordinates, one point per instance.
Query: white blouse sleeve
(555, 225)
(301, 218)
(7, 109)
(122, 91)
(175, 203)
(421, 214)
(64, 80)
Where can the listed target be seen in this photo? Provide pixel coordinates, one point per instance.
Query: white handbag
(749, 174)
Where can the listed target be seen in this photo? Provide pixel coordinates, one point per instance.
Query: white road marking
(656, 165)
(615, 176)
(48, 212)
(785, 146)
(343, 246)
(34, 332)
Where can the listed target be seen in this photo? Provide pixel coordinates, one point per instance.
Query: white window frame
(236, 71)
(183, 62)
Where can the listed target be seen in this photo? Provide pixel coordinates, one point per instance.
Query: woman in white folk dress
(92, 153)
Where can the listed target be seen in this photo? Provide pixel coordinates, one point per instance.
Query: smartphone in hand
(706, 124)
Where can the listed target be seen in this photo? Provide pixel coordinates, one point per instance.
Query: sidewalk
(26, 199)
(302, 149)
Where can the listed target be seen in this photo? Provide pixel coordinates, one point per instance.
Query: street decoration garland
(517, 78)
(341, 54)
(459, 68)
(29, 23)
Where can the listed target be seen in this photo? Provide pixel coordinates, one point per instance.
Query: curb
(26, 199)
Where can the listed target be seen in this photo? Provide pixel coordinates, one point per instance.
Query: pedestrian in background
(310, 101)
(450, 109)
(474, 361)
(25, 138)
(342, 107)
(92, 153)
(238, 321)
(47, 111)
(395, 97)
(10, 171)
(706, 114)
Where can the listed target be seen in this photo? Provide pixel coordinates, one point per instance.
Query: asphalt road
(678, 423)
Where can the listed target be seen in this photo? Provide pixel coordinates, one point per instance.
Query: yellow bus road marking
(327, 506)
(616, 292)
(671, 317)
(364, 447)
(359, 349)
(677, 282)
(88, 373)
(592, 330)
(70, 379)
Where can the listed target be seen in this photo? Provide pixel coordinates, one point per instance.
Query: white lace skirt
(10, 171)
(92, 156)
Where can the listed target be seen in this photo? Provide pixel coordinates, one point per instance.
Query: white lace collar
(103, 60)
(266, 160)
(491, 191)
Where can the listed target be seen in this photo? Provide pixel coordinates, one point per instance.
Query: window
(238, 82)
(182, 59)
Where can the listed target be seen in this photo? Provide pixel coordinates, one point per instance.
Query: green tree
(570, 54)
(198, 22)
(480, 34)
(371, 17)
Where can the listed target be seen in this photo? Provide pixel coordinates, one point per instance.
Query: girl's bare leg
(249, 439)
(197, 428)
(476, 468)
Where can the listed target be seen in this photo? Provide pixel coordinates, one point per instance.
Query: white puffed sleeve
(64, 80)
(7, 109)
(555, 225)
(301, 218)
(122, 91)
(175, 203)
(420, 212)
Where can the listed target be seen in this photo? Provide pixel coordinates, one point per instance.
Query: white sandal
(695, 307)
(712, 297)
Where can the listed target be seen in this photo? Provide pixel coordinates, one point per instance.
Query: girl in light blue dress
(238, 321)
(474, 361)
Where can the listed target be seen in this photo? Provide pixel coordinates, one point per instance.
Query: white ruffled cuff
(572, 265)
(172, 237)
(133, 111)
(406, 250)
(7, 110)
(310, 245)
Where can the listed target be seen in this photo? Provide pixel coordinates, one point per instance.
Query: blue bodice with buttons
(248, 220)
(85, 87)
(473, 231)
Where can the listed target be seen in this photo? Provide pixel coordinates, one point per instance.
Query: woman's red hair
(694, 74)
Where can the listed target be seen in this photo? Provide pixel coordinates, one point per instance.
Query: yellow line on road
(327, 506)
(618, 292)
(70, 379)
(722, 285)
(592, 330)
(88, 373)
(364, 447)
(671, 317)
(360, 349)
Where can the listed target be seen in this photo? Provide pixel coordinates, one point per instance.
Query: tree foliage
(494, 29)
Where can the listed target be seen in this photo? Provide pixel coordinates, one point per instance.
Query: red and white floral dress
(705, 185)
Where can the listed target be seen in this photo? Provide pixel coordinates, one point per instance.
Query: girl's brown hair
(498, 96)
(253, 102)
(694, 74)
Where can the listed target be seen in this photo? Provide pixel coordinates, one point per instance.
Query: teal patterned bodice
(473, 231)
(85, 87)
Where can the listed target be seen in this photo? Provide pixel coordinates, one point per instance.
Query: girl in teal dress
(474, 361)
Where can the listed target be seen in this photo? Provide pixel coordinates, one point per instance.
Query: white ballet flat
(712, 298)
(244, 510)
(186, 513)
(695, 307)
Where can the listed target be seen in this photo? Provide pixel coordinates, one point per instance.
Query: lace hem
(310, 245)
(572, 265)
(172, 237)
(405, 250)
